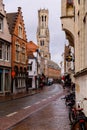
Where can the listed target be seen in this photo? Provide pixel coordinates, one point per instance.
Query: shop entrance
(6, 81)
(30, 82)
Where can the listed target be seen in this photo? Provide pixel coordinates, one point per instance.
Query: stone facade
(67, 21)
(81, 50)
(77, 26)
(49, 68)
(43, 37)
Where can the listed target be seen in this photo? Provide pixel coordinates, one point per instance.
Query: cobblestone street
(51, 117)
(43, 111)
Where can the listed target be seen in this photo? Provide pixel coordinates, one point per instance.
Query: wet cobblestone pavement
(54, 116)
(43, 111)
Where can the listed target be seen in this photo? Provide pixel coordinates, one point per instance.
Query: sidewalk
(18, 95)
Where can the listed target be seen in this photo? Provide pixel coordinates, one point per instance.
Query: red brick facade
(18, 53)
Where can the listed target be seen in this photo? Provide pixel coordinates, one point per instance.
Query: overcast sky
(30, 15)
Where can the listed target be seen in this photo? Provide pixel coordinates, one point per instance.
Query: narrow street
(42, 111)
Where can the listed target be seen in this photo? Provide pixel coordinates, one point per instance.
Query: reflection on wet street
(54, 116)
(15, 105)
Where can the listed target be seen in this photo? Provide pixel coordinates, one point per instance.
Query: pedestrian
(41, 85)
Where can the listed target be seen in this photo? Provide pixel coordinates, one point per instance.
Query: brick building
(18, 55)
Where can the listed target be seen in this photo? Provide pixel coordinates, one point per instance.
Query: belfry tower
(43, 33)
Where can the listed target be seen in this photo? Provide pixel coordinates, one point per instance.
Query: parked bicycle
(69, 98)
(80, 124)
(80, 120)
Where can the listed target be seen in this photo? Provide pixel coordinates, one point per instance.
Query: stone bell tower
(43, 33)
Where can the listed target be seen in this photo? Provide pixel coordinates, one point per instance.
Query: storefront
(5, 80)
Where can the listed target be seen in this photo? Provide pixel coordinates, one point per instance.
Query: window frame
(20, 31)
(1, 24)
(17, 52)
(1, 51)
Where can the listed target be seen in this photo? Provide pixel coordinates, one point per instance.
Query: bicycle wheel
(81, 124)
(71, 116)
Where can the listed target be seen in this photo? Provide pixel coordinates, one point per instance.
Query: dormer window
(20, 31)
(1, 24)
(69, 2)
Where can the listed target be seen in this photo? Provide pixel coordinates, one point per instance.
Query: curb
(14, 98)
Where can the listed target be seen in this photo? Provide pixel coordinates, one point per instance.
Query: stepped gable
(11, 18)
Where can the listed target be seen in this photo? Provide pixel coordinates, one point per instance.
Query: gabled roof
(31, 47)
(11, 18)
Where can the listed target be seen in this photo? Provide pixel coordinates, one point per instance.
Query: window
(1, 24)
(69, 2)
(42, 19)
(42, 43)
(79, 1)
(30, 67)
(7, 52)
(17, 52)
(45, 18)
(0, 50)
(23, 53)
(20, 31)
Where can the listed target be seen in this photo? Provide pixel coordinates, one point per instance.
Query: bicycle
(69, 98)
(80, 122)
